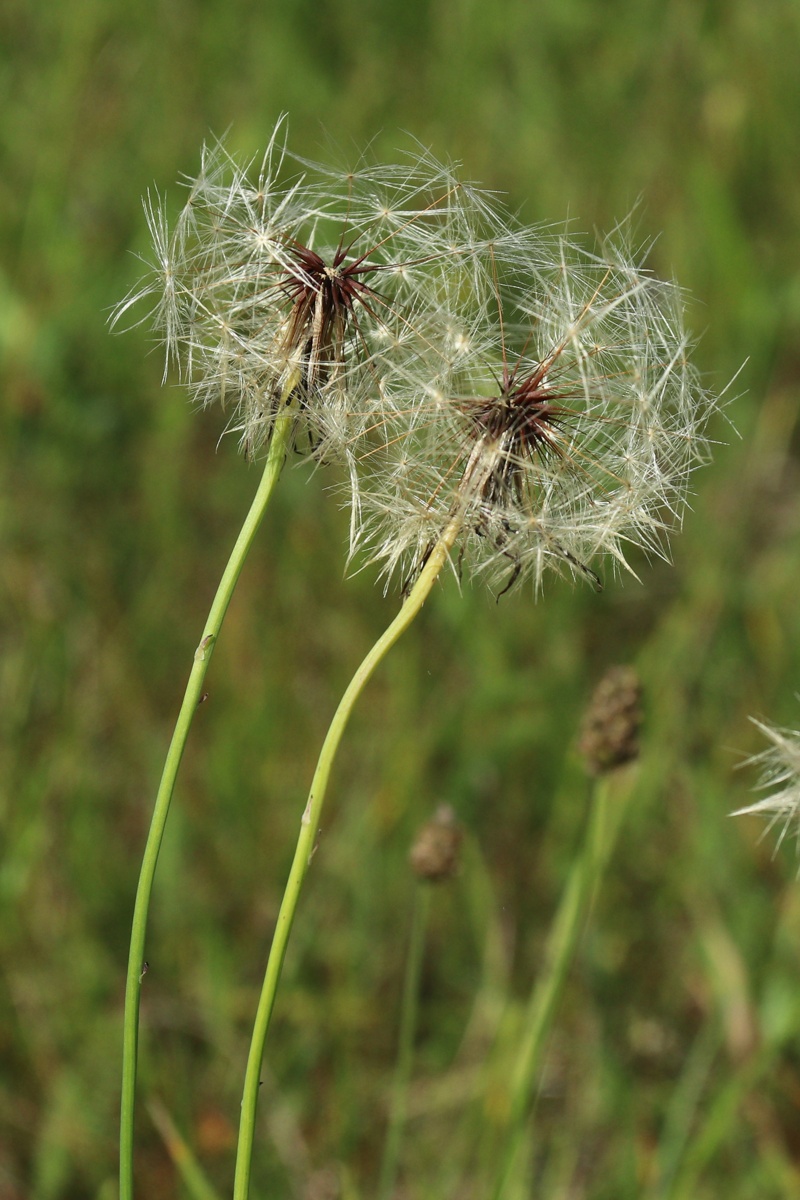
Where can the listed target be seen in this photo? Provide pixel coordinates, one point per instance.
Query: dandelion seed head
(779, 766)
(464, 368)
(568, 434)
(282, 269)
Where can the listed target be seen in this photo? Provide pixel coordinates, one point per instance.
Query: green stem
(565, 932)
(192, 1175)
(405, 1049)
(191, 699)
(309, 825)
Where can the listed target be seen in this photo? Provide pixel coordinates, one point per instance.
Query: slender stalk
(405, 1048)
(202, 656)
(565, 932)
(309, 825)
(192, 1175)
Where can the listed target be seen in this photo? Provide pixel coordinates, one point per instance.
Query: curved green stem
(309, 825)
(202, 656)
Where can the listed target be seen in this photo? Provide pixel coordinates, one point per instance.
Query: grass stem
(405, 1048)
(192, 1175)
(576, 901)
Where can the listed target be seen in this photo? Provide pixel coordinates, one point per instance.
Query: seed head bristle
(779, 767)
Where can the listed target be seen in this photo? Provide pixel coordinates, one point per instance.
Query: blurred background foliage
(674, 1070)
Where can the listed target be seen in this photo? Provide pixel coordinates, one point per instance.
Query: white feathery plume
(780, 777)
(563, 431)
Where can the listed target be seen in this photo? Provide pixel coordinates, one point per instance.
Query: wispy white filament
(240, 286)
(779, 764)
(564, 431)
(462, 366)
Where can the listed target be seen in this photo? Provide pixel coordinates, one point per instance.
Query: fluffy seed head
(779, 767)
(565, 431)
(287, 270)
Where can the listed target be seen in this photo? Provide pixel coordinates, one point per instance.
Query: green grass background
(675, 1069)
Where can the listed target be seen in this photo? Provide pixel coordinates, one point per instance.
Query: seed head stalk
(607, 804)
(609, 739)
(405, 1049)
(309, 826)
(202, 657)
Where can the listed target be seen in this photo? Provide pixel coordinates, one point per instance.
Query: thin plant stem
(192, 1175)
(137, 966)
(309, 825)
(565, 932)
(405, 1048)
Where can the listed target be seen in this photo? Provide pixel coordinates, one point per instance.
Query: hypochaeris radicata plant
(503, 401)
(288, 292)
(561, 431)
(779, 767)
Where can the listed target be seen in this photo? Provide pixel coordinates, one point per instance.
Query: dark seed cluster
(435, 854)
(610, 732)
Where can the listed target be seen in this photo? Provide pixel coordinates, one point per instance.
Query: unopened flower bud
(610, 731)
(435, 854)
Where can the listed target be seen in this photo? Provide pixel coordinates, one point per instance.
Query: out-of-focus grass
(674, 1070)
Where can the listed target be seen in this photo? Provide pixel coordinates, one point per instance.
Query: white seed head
(562, 430)
(463, 367)
(281, 270)
(779, 767)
